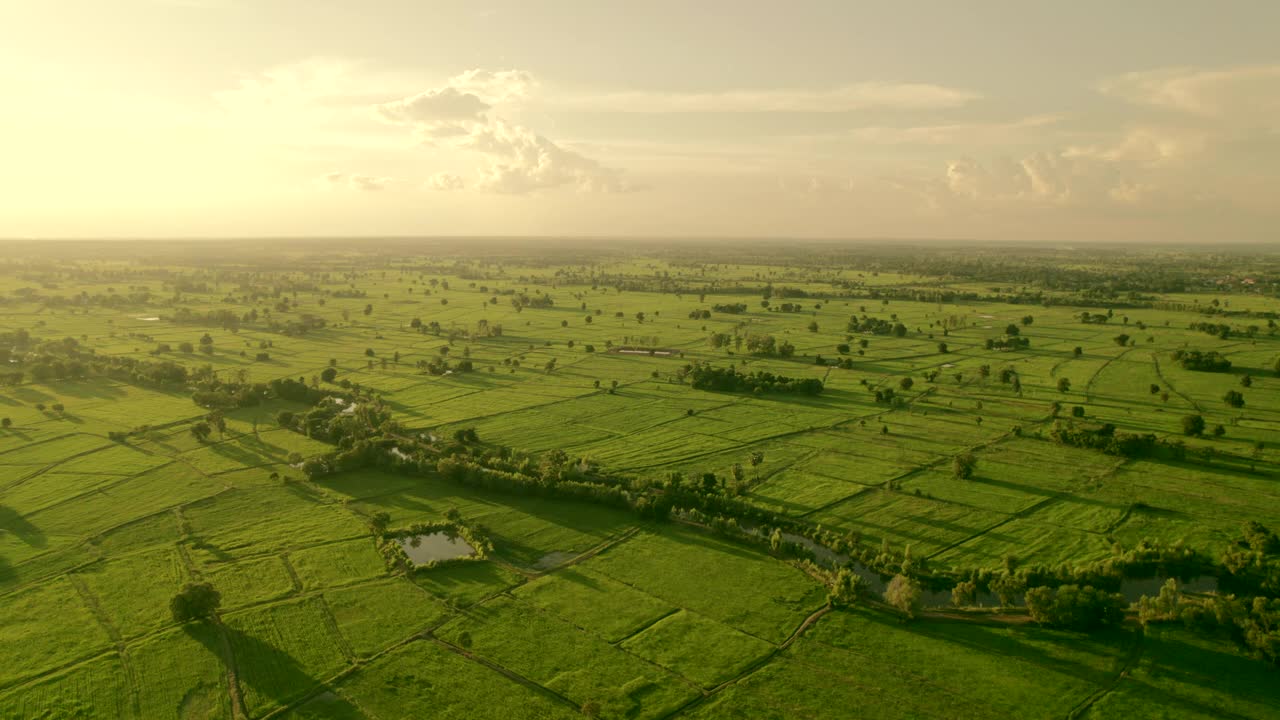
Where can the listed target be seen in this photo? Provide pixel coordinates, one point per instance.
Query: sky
(1134, 121)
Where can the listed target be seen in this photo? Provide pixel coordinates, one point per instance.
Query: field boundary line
(506, 672)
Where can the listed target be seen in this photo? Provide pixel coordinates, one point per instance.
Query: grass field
(586, 609)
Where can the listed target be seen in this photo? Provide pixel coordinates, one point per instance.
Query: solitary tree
(756, 459)
(200, 431)
(195, 601)
(1064, 385)
(903, 593)
(1234, 398)
(379, 522)
(6, 423)
(1192, 425)
(963, 465)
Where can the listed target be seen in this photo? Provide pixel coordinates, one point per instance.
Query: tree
(964, 594)
(1027, 319)
(1075, 607)
(756, 459)
(379, 522)
(217, 422)
(1121, 339)
(903, 593)
(1192, 425)
(195, 601)
(813, 326)
(640, 318)
(1012, 330)
(6, 423)
(329, 374)
(845, 588)
(942, 348)
(1233, 398)
(963, 465)
(1064, 385)
(200, 431)
(906, 383)
(1077, 351)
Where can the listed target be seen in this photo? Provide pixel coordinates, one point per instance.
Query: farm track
(1088, 388)
(1131, 659)
(1155, 358)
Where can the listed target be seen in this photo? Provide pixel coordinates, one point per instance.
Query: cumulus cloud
(442, 112)
(855, 96)
(445, 181)
(522, 161)
(517, 159)
(363, 183)
(495, 86)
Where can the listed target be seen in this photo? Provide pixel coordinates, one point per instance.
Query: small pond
(434, 547)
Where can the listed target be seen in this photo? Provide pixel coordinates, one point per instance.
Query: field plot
(95, 689)
(183, 674)
(374, 615)
(699, 649)
(424, 679)
(568, 661)
(757, 595)
(282, 651)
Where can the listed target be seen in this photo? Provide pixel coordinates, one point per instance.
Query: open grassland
(587, 609)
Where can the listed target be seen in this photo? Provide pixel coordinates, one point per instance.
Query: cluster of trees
(1075, 607)
(1008, 342)
(768, 345)
(1254, 623)
(1210, 361)
(1220, 330)
(542, 300)
(876, 326)
(731, 308)
(703, 376)
(1107, 439)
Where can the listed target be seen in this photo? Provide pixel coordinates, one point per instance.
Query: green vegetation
(733, 481)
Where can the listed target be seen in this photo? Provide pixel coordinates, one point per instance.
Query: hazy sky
(1025, 119)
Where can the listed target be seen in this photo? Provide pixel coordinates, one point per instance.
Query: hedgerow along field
(961, 429)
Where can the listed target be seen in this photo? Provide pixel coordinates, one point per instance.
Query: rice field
(588, 610)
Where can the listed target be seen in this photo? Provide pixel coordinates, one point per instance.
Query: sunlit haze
(1081, 121)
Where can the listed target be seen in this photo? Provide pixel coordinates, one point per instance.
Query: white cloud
(1249, 95)
(521, 161)
(518, 160)
(445, 181)
(443, 112)
(955, 133)
(856, 96)
(495, 86)
(362, 183)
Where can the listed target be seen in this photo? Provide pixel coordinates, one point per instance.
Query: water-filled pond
(434, 547)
